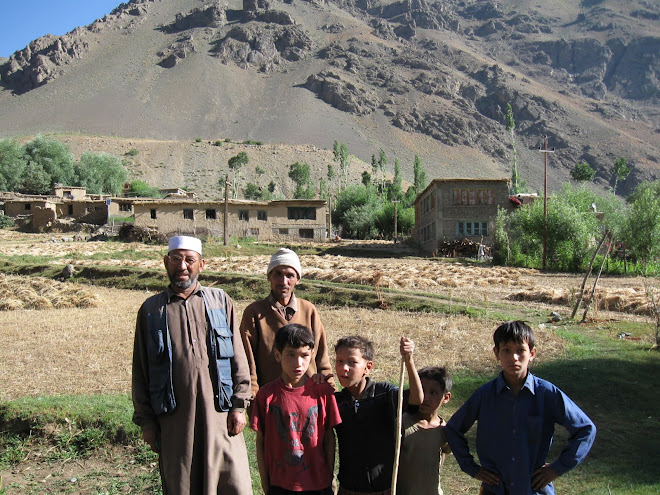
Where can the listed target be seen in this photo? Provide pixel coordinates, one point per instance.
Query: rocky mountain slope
(412, 77)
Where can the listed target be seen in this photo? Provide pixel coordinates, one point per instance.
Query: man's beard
(180, 284)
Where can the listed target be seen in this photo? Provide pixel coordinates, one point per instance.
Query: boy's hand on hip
(542, 476)
(487, 477)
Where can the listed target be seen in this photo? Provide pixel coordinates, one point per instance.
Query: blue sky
(22, 21)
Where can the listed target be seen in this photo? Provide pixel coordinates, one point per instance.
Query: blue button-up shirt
(514, 433)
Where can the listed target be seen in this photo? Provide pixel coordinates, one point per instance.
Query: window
(301, 213)
(306, 233)
(427, 233)
(252, 232)
(69, 209)
(188, 214)
(27, 206)
(284, 231)
(473, 197)
(125, 207)
(211, 214)
(153, 213)
(243, 215)
(262, 215)
(471, 228)
(428, 203)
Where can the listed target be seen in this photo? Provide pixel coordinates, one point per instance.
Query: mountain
(410, 77)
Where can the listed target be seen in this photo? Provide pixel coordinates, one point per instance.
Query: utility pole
(545, 152)
(396, 202)
(226, 216)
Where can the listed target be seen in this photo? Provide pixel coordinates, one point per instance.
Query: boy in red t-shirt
(293, 418)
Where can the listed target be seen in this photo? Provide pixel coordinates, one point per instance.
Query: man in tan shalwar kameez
(262, 320)
(190, 413)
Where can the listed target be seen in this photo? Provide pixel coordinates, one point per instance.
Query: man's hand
(235, 422)
(150, 436)
(487, 477)
(542, 476)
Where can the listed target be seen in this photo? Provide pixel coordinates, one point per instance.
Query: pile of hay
(622, 300)
(42, 293)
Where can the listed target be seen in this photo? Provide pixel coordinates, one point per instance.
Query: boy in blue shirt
(516, 414)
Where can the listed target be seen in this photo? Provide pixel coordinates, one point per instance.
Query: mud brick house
(450, 209)
(66, 204)
(280, 220)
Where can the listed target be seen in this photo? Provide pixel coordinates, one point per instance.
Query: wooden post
(399, 426)
(226, 214)
(545, 152)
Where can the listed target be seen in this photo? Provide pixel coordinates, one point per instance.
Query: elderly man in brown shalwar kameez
(191, 381)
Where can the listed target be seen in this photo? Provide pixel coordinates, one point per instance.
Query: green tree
(569, 235)
(47, 158)
(366, 178)
(355, 211)
(385, 219)
(582, 172)
(235, 163)
(12, 165)
(101, 173)
(374, 167)
(36, 180)
(653, 186)
(510, 128)
(301, 175)
(382, 165)
(141, 189)
(642, 231)
(620, 171)
(324, 190)
(395, 192)
(419, 175)
(343, 159)
(257, 193)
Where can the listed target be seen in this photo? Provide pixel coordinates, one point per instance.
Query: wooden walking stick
(399, 424)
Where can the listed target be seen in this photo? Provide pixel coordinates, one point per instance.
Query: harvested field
(479, 283)
(88, 351)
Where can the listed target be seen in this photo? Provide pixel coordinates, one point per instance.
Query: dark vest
(159, 352)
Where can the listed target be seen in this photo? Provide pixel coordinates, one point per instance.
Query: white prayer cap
(285, 257)
(186, 243)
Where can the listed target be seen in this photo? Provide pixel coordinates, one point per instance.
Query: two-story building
(451, 209)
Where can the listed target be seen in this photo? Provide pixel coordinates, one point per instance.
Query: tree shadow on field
(622, 398)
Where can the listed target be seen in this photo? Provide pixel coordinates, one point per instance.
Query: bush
(132, 152)
(6, 221)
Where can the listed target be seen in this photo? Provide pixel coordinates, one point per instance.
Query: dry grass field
(88, 350)
(52, 347)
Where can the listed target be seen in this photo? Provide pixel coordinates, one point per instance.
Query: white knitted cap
(285, 257)
(185, 242)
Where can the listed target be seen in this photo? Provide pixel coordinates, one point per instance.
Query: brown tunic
(260, 323)
(197, 455)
